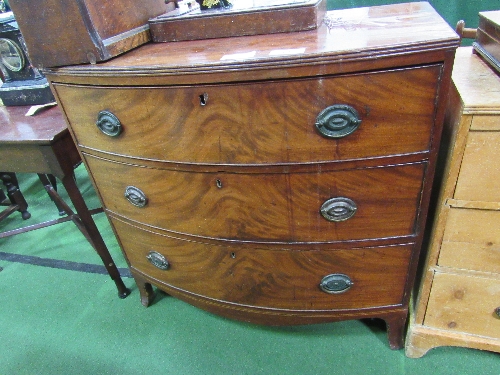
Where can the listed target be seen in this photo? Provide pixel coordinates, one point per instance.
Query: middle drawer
(471, 240)
(305, 207)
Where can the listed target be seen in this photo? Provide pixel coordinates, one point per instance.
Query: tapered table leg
(93, 234)
(52, 180)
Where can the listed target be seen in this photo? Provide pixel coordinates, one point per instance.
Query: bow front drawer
(327, 206)
(292, 279)
(289, 121)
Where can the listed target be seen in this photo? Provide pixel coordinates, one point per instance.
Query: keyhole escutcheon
(203, 99)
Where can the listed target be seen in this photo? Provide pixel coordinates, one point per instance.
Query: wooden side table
(459, 301)
(42, 144)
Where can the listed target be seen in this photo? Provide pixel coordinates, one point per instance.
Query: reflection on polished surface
(411, 24)
(450, 10)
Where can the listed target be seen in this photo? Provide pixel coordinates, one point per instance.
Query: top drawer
(265, 122)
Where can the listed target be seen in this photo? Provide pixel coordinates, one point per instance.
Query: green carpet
(63, 321)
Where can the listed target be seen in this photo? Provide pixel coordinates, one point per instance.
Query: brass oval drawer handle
(336, 283)
(337, 121)
(338, 209)
(136, 196)
(109, 124)
(158, 260)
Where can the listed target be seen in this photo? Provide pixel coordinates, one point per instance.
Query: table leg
(87, 226)
(52, 179)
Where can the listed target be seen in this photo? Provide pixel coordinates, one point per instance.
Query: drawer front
(269, 122)
(485, 123)
(480, 169)
(266, 206)
(271, 278)
(471, 240)
(464, 304)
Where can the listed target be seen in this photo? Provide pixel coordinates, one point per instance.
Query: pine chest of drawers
(275, 179)
(459, 302)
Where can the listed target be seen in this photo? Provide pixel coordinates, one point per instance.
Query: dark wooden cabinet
(61, 32)
(276, 179)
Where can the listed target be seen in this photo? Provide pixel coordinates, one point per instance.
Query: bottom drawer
(272, 277)
(465, 304)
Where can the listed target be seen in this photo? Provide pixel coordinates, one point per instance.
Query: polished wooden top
(477, 82)
(364, 36)
(43, 128)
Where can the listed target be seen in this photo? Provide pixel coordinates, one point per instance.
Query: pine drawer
(471, 240)
(480, 170)
(465, 303)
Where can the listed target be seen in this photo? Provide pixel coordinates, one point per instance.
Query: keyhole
(233, 255)
(203, 99)
(218, 182)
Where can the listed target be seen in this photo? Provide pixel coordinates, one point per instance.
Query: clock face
(11, 55)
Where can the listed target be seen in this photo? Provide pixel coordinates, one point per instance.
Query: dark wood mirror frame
(276, 16)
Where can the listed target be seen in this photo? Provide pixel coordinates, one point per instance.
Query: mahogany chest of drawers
(459, 301)
(275, 179)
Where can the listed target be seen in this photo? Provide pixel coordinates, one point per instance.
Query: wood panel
(480, 170)
(487, 42)
(267, 206)
(485, 123)
(271, 122)
(60, 32)
(10, 154)
(373, 42)
(472, 75)
(471, 240)
(242, 18)
(424, 338)
(464, 303)
(271, 278)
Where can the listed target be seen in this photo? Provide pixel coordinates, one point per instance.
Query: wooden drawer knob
(158, 260)
(336, 283)
(337, 121)
(338, 209)
(109, 124)
(136, 196)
